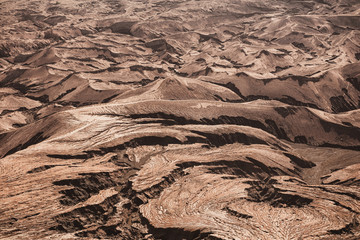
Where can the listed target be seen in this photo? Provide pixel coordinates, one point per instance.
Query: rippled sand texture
(150, 119)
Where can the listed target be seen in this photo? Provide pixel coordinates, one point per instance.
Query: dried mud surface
(185, 119)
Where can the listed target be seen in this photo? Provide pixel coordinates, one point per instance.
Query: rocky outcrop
(179, 119)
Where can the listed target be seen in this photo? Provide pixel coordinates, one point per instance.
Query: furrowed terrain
(187, 119)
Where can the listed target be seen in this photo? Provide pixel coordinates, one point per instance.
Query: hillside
(184, 119)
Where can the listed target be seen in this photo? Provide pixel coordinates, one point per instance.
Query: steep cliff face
(179, 119)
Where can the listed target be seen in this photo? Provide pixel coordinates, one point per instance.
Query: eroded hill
(180, 119)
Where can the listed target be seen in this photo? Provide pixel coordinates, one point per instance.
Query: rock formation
(185, 119)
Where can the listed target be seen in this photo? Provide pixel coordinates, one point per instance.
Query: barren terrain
(187, 119)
